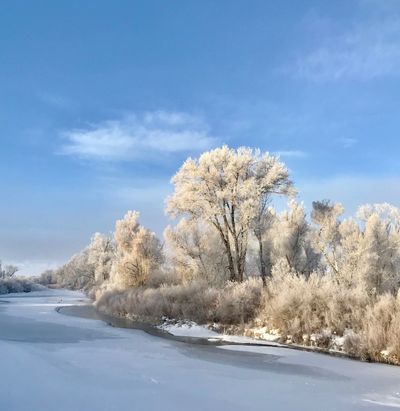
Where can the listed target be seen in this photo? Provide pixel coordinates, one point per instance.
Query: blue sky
(102, 101)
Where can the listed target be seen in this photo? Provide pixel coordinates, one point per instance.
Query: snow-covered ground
(52, 361)
(191, 329)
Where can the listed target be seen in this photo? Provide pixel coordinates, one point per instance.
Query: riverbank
(191, 332)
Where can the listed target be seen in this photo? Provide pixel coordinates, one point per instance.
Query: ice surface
(51, 361)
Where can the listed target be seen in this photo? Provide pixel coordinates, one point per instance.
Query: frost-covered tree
(77, 273)
(263, 223)
(101, 255)
(290, 236)
(7, 271)
(194, 249)
(348, 255)
(379, 248)
(363, 253)
(48, 277)
(228, 189)
(138, 252)
(326, 239)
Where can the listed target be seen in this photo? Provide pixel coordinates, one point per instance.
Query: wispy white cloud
(347, 142)
(55, 100)
(137, 136)
(291, 153)
(368, 49)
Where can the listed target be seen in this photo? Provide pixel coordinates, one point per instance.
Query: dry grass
(382, 329)
(196, 301)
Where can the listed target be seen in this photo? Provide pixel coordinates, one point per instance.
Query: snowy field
(51, 361)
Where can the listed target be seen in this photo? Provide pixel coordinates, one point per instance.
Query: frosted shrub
(239, 303)
(346, 307)
(294, 304)
(300, 305)
(195, 301)
(17, 285)
(233, 304)
(158, 278)
(394, 336)
(381, 329)
(352, 343)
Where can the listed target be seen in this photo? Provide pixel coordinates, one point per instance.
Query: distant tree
(379, 248)
(8, 271)
(228, 190)
(138, 252)
(326, 240)
(77, 273)
(101, 253)
(48, 277)
(363, 252)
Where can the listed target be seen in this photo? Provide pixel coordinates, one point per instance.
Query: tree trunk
(263, 271)
(238, 249)
(227, 244)
(238, 262)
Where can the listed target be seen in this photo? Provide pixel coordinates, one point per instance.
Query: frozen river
(51, 361)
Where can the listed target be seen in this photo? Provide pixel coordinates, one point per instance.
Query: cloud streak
(137, 136)
(368, 50)
(291, 153)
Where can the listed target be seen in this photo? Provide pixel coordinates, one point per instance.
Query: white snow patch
(191, 329)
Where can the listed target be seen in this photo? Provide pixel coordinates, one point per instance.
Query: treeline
(232, 259)
(9, 283)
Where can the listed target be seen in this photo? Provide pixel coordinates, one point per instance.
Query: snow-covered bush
(353, 344)
(239, 303)
(194, 301)
(17, 285)
(294, 304)
(382, 329)
(299, 305)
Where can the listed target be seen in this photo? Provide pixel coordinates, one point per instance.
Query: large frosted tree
(228, 189)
